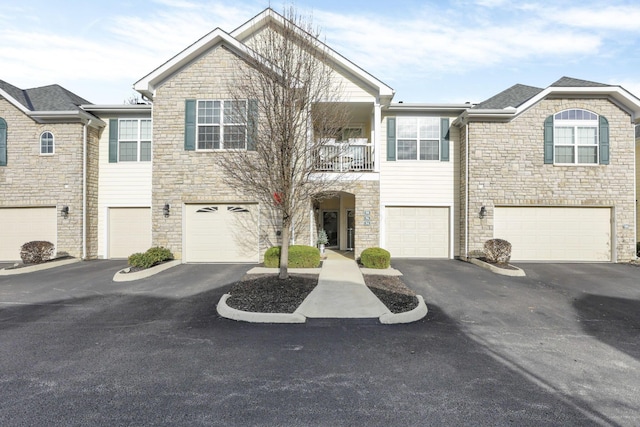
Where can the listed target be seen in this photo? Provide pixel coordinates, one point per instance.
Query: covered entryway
(22, 225)
(417, 232)
(129, 231)
(221, 233)
(555, 233)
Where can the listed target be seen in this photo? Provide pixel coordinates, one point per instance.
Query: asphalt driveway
(559, 347)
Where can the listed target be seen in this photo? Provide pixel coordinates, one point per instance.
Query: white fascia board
(82, 116)
(458, 108)
(261, 20)
(118, 108)
(147, 84)
(14, 101)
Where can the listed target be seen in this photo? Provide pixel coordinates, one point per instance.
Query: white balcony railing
(353, 155)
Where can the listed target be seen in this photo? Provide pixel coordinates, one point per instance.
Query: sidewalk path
(341, 292)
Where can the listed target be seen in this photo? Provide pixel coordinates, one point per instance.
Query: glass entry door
(330, 225)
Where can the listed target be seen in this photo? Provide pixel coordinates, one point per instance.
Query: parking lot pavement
(573, 329)
(78, 349)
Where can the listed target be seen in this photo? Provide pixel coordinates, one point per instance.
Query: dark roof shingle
(46, 98)
(512, 97)
(571, 82)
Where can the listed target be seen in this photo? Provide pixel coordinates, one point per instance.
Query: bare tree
(293, 104)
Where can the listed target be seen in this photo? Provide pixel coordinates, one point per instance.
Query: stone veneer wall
(93, 153)
(506, 160)
(32, 180)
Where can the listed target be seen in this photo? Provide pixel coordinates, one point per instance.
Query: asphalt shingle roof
(45, 98)
(571, 82)
(512, 97)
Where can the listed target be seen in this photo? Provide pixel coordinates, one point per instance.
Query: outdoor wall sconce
(483, 212)
(65, 211)
(165, 210)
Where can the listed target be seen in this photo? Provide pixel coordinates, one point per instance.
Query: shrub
(497, 250)
(300, 256)
(151, 257)
(36, 252)
(375, 258)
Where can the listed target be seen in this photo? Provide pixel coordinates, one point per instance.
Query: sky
(427, 51)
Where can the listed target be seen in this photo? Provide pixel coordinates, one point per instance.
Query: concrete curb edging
(518, 272)
(120, 276)
(246, 316)
(38, 267)
(380, 271)
(408, 316)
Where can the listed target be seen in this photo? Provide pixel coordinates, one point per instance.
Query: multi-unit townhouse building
(552, 170)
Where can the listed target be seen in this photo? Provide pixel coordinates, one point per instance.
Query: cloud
(626, 18)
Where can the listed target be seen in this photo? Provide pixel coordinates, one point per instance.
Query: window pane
(208, 137)
(128, 151)
(407, 127)
(429, 128)
(234, 137)
(235, 112)
(46, 143)
(128, 130)
(564, 136)
(208, 112)
(587, 136)
(587, 155)
(145, 151)
(564, 155)
(429, 150)
(145, 129)
(407, 149)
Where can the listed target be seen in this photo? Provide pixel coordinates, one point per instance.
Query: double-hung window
(418, 138)
(221, 124)
(575, 137)
(134, 140)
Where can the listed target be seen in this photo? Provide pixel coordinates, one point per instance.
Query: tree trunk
(284, 253)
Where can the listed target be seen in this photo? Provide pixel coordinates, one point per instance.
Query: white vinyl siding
(22, 225)
(221, 233)
(555, 233)
(417, 232)
(126, 184)
(129, 231)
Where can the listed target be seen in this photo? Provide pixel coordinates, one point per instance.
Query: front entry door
(351, 229)
(330, 225)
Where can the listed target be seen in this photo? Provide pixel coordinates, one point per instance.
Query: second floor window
(576, 137)
(418, 138)
(46, 143)
(134, 140)
(221, 124)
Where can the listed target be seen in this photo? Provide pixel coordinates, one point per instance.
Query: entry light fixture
(165, 210)
(483, 212)
(65, 211)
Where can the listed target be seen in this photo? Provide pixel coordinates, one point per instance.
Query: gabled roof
(235, 41)
(514, 101)
(47, 103)
(267, 16)
(515, 96)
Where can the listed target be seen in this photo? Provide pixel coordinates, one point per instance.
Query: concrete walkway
(341, 292)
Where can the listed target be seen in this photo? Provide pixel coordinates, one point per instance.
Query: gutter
(84, 189)
(466, 195)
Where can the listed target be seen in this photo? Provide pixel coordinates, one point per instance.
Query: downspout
(466, 191)
(84, 190)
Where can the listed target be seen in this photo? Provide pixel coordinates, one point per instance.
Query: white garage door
(22, 225)
(555, 233)
(129, 231)
(221, 233)
(417, 232)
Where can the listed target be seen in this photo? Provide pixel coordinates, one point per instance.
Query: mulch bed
(19, 265)
(392, 292)
(267, 294)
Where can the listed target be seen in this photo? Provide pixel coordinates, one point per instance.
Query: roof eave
(117, 108)
(69, 116)
(458, 108)
(14, 102)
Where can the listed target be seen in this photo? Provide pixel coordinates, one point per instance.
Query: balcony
(354, 155)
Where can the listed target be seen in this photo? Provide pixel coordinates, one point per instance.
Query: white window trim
(138, 141)
(53, 143)
(576, 124)
(221, 125)
(417, 139)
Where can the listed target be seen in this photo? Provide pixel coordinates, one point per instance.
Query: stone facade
(506, 168)
(34, 180)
